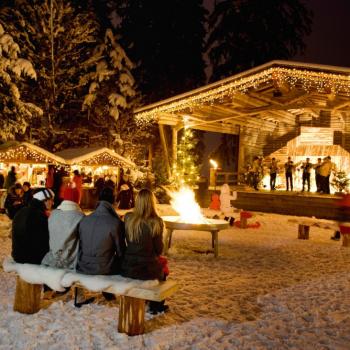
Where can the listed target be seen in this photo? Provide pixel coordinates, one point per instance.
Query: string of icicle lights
(104, 159)
(24, 154)
(303, 79)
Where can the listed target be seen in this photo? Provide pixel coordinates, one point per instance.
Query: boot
(336, 236)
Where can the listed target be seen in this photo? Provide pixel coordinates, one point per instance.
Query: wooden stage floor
(288, 203)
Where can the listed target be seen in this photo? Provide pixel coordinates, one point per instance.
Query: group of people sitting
(97, 244)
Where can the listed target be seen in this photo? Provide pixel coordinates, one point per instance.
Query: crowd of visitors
(96, 244)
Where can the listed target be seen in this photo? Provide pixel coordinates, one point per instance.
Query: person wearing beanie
(63, 231)
(101, 240)
(30, 231)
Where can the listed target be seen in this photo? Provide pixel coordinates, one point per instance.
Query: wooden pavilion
(266, 107)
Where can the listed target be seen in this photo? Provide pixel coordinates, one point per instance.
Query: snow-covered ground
(267, 290)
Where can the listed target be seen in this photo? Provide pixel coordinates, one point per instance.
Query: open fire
(184, 203)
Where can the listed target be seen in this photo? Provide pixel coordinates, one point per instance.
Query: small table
(173, 223)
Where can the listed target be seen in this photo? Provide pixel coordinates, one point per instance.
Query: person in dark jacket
(125, 197)
(11, 178)
(101, 242)
(27, 193)
(101, 239)
(144, 238)
(14, 200)
(30, 232)
(2, 180)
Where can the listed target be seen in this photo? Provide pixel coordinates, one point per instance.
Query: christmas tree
(186, 171)
(340, 181)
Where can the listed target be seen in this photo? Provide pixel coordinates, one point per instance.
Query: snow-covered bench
(133, 293)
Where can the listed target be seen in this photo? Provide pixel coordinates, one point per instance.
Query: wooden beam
(174, 146)
(165, 149)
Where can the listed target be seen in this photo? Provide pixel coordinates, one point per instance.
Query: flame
(184, 203)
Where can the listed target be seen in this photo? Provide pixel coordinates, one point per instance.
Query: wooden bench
(304, 225)
(132, 299)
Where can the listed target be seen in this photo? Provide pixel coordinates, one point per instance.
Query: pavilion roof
(262, 98)
(94, 156)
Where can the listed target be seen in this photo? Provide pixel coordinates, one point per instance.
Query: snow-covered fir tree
(58, 39)
(16, 114)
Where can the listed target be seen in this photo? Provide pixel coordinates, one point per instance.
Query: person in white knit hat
(30, 232)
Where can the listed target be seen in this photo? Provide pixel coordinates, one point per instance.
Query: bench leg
(303, 232)
(27, 298)
(346, 240)
(131, 316)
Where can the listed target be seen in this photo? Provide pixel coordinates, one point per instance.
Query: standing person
(57, 185)
(49, 183)
(78, 180)
(11, 178)
(14, 200)
(144, 238)
(307, 166)
(63, 232)
(27, 193)
(325, 173)
(317, 174)
(30, 231)
(99, 185)
(289, 169)
(2, 180)
(125, 193)
(101, 243)
(256, 169)
(273, 173)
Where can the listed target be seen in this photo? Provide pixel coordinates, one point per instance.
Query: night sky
(329, 41)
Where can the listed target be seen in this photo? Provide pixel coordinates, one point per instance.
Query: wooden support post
(174, 144)
(303, 232)
(131, 316)
(165, 149)
(27, 298)
(244, 222)
(150, 157)
(346, 240)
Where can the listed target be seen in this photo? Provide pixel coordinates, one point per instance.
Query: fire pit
(212, 225)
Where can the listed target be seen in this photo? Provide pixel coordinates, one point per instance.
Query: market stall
(94, 163)
(30, 162)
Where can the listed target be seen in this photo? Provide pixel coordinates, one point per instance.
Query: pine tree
(58, 40)
(247, 33)
(16, 114)
(166, 41)
(187, 169)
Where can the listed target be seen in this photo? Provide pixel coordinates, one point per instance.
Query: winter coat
(101, 241)
(64, 239)
(125, 197)
(13, 203)
(30, 233)
(141, 258)
(27, 197)
(226, 198)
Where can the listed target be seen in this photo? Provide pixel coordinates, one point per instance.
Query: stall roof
(93, 156)
(260, 98)
(24, 152)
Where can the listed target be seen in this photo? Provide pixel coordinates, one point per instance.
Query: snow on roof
(25, 152)
(94, 156)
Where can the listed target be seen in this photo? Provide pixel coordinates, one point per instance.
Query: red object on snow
(164, 262)
(215, 202)
(344, 230)
(246, 214)
(253, 225)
